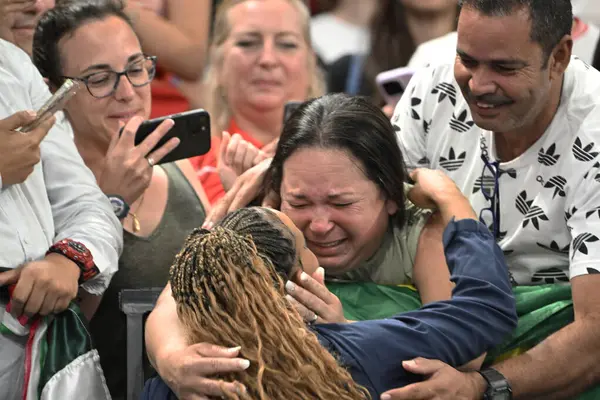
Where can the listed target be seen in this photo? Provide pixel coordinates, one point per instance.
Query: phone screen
(54, 104)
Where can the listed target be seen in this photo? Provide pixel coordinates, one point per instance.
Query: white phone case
(392, 83)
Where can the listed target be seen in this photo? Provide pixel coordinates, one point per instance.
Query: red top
(206, 165)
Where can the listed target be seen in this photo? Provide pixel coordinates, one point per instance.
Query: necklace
(135, 222)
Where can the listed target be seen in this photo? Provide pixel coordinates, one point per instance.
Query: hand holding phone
(54, 104)
(127, 168)
(192, 128)
(20, 152)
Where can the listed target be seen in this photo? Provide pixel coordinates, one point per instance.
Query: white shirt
(60, 199)
(549, 196)
(442, 50)
(333, 38)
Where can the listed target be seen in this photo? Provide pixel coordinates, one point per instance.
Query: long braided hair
(273, 239)
(225, 294)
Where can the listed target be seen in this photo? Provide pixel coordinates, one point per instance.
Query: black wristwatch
(498, 387)
(120, 206)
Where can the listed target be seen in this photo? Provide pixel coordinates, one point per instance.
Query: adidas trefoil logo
(582, 153)
(445, 91)
(558, 183)
(555, 248)
(533, 214)
(486, 182)
(460, 123)
(552, 275)
(581, 241)
(453, 163)
(548, 158)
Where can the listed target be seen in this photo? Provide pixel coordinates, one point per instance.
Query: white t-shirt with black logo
(549, 196)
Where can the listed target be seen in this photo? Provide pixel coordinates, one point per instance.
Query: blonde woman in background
(260, 59)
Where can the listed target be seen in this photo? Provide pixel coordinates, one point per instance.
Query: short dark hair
(351, 124)
(62, 20)
(551, 20)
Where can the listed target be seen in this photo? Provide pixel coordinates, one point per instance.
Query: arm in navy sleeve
(479, 316)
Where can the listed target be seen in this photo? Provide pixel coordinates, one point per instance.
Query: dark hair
(63, 20)
(273, 239)
(551, 20)
(351, 124)
(392, 45)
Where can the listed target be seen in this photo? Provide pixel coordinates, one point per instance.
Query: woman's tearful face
(342, 214)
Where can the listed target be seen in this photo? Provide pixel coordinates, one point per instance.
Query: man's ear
(561, 57)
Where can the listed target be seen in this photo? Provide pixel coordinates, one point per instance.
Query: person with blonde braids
(226, 296)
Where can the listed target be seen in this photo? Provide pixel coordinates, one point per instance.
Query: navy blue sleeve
(479, 316)
(156, 389)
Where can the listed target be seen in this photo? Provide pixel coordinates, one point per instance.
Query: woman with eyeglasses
(94, 43)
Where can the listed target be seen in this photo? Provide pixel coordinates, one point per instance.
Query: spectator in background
(343, 28)
(90, 41)
(177, 32)
(397, 29)
(261, 58)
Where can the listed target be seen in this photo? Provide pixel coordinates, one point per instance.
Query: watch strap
(498, 387)
(80, 255)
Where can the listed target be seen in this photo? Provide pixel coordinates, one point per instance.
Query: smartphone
(56, 103)
(289, 109)
(392, 83)
(191, 127)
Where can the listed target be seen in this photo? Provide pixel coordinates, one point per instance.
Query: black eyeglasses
(103, 84)
(489, 187)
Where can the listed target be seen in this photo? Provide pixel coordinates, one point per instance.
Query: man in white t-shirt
(516, 123)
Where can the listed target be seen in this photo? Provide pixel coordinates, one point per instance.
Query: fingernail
(244, 364)
(207, 225)
(303, 276)
(31, 113)
(289, 298)
(241, 389)
(410, 363)
(234, 349)
(321, 271)
(385, 396)
(290, 286)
